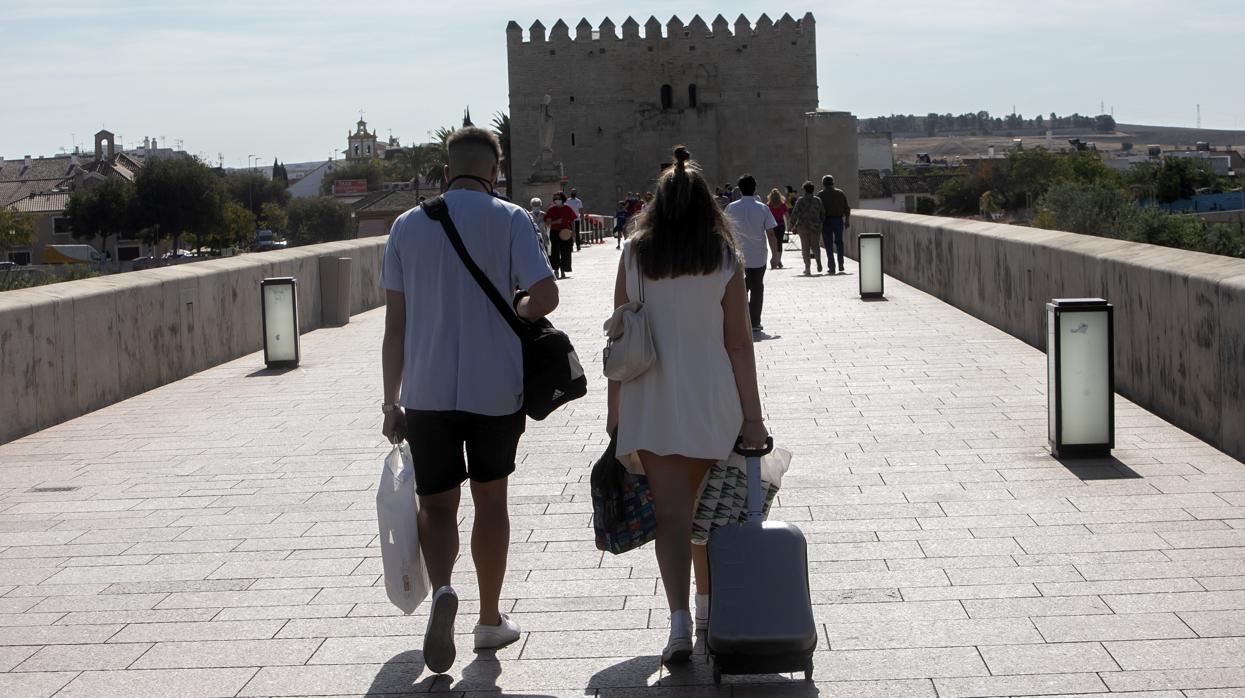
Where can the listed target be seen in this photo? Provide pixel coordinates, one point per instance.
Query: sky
(255, 80)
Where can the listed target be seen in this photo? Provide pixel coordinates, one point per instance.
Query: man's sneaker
(493, 636)
(679, 648)
(702, 612)
(439, 638)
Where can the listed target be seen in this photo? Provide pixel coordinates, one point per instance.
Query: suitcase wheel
(808, 669)
(717, 673)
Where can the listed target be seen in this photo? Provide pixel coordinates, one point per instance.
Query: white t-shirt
(577, 205)
(751, 219)
(459, 352)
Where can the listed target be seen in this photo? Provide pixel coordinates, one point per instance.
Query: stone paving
(217, 536)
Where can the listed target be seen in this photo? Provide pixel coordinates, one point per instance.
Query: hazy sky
(286, 78)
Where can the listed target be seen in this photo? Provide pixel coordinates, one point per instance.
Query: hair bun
(681, 155)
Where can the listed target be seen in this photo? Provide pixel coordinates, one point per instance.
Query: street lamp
(1080, 344)
(870, 271)
(279, 310)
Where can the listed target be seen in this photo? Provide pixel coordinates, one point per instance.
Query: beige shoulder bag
(629, 350)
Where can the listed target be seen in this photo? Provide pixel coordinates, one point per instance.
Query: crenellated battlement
(653, 30)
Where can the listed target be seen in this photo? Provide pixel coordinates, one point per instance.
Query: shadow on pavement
(271, 372)
(1108, 468)
(883, 299)
(400, 676)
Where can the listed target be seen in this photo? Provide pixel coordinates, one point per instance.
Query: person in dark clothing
(561, 221)
(838, 218)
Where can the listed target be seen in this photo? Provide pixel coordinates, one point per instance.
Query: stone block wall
(74, 347)
(754, 84)
(1179, 315)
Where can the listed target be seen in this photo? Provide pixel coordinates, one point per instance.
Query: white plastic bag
(397, 510)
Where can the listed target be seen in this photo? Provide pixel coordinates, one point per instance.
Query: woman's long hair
(683, 231)
(775, 198)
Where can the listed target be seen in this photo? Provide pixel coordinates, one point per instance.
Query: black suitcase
(761, 613)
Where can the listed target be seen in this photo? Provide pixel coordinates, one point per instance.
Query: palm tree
(438, 156)
(501, 127)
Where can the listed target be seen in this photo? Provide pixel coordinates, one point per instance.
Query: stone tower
(736, 95)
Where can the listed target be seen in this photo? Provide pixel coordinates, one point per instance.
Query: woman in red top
(778, 235)
(560, 219)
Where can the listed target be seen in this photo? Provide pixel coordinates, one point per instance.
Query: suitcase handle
(754, 452)
(756, 499)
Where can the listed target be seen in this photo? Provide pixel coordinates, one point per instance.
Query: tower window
(691, 95)
(572, 98)
(667, 97)
(572, 138)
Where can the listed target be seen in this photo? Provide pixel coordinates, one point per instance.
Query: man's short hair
(808, 187)
(470, 147)
(747, 185)
(827, 181)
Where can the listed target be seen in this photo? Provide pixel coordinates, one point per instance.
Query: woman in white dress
(687, 411)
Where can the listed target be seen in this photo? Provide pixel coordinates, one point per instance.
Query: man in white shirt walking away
(752, 221)
(577, 205)
(459, 368)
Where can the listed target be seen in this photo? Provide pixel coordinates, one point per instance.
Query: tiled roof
(42, 203)
(916, 184)
(399, 201)
(871, 186)
(55, 168)
(13, 191)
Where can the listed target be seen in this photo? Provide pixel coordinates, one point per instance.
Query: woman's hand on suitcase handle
(753, 436)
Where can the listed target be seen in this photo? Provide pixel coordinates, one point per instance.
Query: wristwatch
(387, 407)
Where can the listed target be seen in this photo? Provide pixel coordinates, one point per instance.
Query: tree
(318, 219)
(1104, 123)
(273, 217)
(501, 128)
(17, 229)
(439, 156)
(279, 173)
(237, 227)
(178, 196)
(253, 190)
(104, 210)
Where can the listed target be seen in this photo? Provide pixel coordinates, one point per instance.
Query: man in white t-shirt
(459, 367)
(752, 220)
(577, 205)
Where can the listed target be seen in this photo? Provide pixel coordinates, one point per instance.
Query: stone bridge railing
(70, 348)
(1180, 316)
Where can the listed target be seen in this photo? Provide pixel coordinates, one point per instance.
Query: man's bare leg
(490, 543)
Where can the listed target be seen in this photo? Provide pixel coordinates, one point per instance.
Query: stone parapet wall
(70, 348)
(1179, 316)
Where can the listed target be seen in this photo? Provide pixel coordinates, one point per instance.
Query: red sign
(349, 187)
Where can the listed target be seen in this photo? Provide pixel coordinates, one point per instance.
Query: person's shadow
(400, 676)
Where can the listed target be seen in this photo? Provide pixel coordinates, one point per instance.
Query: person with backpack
(453, 380)
(686, 411)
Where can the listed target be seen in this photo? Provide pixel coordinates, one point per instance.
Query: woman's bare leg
(671, 480)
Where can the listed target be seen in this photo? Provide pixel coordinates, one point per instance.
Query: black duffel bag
(552, 374)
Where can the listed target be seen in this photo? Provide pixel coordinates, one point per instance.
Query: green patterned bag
(723, 497)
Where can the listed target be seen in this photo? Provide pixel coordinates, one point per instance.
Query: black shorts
(438, 440)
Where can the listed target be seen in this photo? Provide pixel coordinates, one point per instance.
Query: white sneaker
(439, 638)
(679, 648)
(493, 636)
(702, 612)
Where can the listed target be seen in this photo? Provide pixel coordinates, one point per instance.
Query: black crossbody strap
(438, 211)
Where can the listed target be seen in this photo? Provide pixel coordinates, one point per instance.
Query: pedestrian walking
(685, 412)
(753, 222)
(620, 224)
(452, 375)
(561, 221)
(807, 217)
(537, 212)
(777, 236)
(838, 219)
(577, 205)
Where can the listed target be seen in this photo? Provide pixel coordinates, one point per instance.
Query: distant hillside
(1170, 137)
